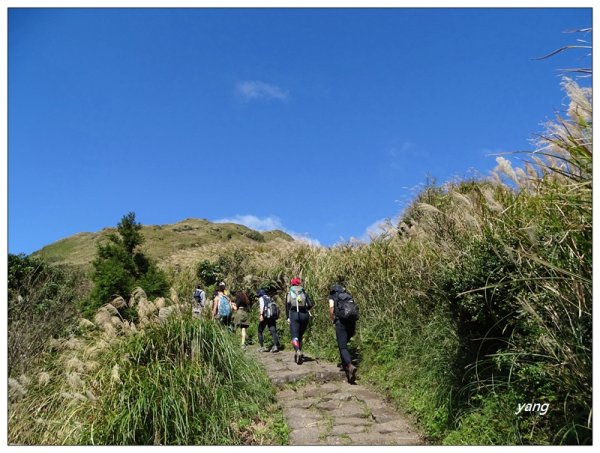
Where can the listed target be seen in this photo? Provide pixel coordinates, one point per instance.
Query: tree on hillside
(120, 266)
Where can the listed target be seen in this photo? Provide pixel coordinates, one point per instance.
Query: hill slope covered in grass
(164, 243)
(477, 304)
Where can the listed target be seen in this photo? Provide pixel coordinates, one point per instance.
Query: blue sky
(321, 122)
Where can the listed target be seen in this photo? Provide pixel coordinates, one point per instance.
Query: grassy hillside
(477, 304)
(165, 243)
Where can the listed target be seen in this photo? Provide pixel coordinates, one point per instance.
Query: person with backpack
(343, 313)
(269, 313)
(199, 300)
(297, 306)
(242, 313)
(222, 306)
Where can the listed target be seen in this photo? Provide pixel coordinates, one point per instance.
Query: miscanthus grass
(479, 300)
(172, 380)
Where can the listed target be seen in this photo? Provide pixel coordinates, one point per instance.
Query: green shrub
(42, 304)
(120, 267)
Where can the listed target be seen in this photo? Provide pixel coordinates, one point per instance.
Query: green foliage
(119, 267)
(255, 236)
(209, 273)
(492, 422)
(186, 383)
(129, 230)
(173, 380)
(232, 267)
(41, 305)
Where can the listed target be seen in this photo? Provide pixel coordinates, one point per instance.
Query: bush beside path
(321, 408)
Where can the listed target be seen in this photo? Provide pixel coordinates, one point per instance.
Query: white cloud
(256, 223)
(378, 228)
(255, 89)
(304, 237)
(268, 224)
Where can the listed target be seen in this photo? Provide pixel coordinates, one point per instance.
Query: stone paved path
(321, 408)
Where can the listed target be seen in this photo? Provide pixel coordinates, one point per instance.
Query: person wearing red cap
(297, 306)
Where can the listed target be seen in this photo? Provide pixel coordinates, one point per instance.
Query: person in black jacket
(297, 306)
(270, 323)
(344, 330)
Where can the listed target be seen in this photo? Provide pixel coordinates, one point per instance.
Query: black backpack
(345, 307)
(271, 310)
(199, 295)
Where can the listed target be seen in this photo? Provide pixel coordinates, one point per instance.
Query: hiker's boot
(263, 349)
(274, 348)
(300, 358)
(351, 373)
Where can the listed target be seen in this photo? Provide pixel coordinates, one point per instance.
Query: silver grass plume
(427, 208)
(504, 167)
(15, 387)
(43, 378)
(24, 380)
(74, 343)
(114, 375)
(102, 317)
(74, 380)
(75, 364)
(112, 310)
(118, 302)
(86, 324)
(491, 201)
(463, 199)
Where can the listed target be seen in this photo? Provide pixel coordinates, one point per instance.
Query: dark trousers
(298, 325)
(343, 333)
(270, 323)
(226, 320)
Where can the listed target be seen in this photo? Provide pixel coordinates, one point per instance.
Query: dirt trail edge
(321, 408)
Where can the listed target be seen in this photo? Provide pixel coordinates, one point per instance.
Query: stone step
(323, 409)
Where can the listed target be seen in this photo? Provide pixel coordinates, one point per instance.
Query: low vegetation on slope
(42, 303)
(163, 242)
(168, 379)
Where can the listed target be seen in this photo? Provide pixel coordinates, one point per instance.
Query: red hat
(295, 282)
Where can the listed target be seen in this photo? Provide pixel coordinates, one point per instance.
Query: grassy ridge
(162, 242)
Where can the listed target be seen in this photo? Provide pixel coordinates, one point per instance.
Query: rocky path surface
(322, 408)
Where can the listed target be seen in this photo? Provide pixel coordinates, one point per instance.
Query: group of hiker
(234, 312)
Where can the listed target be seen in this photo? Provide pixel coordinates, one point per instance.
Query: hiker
(297, 306)
(210, 303)
(343, 313)
(199, 300)
(269, 312)
(242, 313)
(222, 306)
